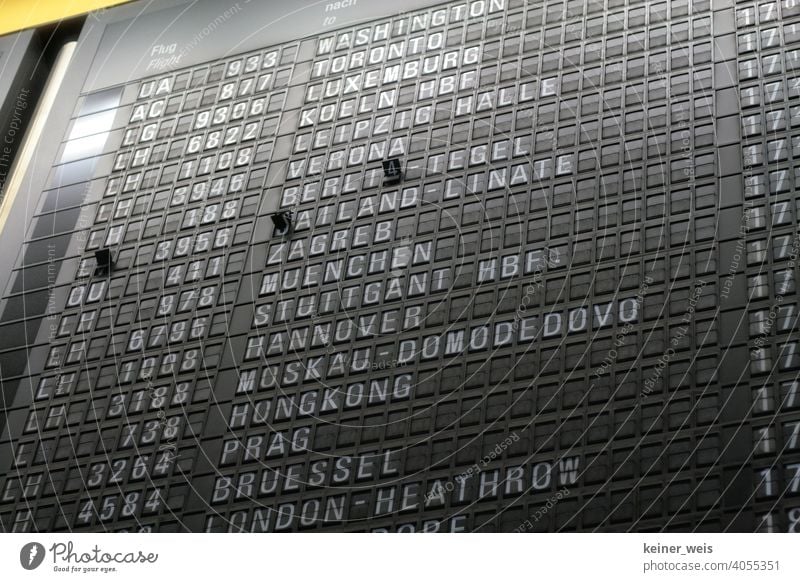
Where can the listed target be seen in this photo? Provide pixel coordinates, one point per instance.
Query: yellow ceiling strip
(20, 14)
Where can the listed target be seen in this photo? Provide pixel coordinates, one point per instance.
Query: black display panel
(573, 309)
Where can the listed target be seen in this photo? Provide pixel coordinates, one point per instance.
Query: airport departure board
(487, 265)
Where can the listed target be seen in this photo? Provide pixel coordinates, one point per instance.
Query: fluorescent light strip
(34, 133)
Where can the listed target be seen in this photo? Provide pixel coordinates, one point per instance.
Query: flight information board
(573, 308)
